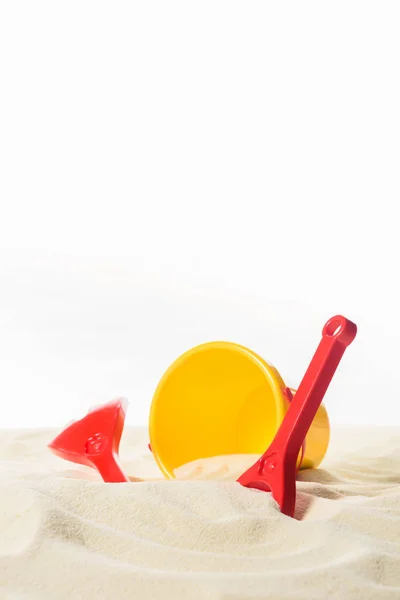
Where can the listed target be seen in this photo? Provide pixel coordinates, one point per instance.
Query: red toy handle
(275, 471)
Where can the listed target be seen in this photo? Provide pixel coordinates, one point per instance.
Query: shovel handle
(337, 334)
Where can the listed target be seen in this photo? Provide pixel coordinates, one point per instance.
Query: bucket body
(222, 398)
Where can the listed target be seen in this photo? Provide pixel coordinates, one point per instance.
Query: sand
(64, 534)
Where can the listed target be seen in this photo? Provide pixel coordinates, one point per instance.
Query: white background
(175, 173)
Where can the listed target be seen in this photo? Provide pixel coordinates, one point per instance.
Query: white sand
(64, 534)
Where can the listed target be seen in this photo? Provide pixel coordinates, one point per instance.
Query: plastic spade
(276, 470)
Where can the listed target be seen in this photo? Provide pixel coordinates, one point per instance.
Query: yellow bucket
(222, 398)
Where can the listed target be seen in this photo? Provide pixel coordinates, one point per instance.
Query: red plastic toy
(275, 471)
(94, 440)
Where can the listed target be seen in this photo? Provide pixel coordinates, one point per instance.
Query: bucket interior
(216, 399)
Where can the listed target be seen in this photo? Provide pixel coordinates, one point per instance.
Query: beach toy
(94, 440)
(275, 471)
(222, 398)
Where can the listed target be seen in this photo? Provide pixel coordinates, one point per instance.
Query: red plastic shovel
(275, 471)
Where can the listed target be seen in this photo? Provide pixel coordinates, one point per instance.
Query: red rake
(94, 440)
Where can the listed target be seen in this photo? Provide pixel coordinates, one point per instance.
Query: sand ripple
(67, 535)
